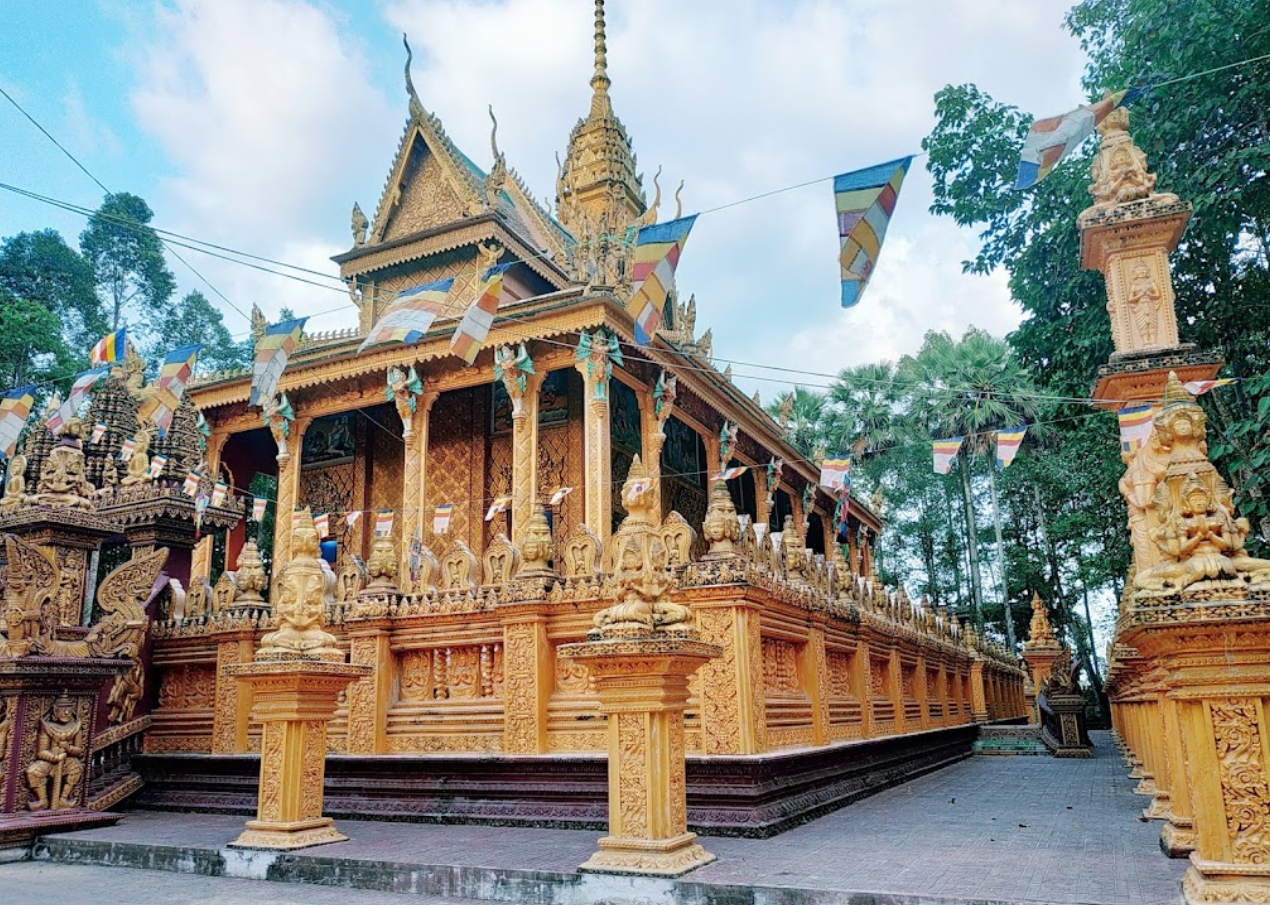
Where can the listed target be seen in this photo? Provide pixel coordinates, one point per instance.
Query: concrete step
(1007, 740)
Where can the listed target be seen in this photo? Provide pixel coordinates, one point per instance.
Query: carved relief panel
(466, 672)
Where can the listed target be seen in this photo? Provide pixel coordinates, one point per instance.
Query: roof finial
(600, 81)
(416, 108)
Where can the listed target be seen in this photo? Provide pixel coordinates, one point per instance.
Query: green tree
(31, 345)
(196, 320)
(126, 257)
(40, 268)
(805, 409)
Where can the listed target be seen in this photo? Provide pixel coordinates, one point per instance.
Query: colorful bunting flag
(410, 316)
(75, 398)
(272, 351)
(128, 448)
(469, 335)
(500, 504)
(99, 431)
(1135, 426)
(1008, 443)
(560, 493)
(219, 493)
(836, 472)
(1050, 140)
(383, 522)
(15, 408)
(258, 506)
(322, 522)
(416, 555)
(441, 518)
(945, 452)
(200, 509)
(190, 486)
(865, 200)
(1200, 387)
(729, 473)
(170, 387)
(656, 255)
(110, 348)
(157, 464)
(350, 519)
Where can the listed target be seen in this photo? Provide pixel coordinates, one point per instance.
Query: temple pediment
(425, 191)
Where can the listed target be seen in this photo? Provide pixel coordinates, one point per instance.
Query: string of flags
(99, 431)
(1050, 140)
(656, 256)
(469, 336)
(351, 518)
(835, 473)
(1200, 387)
(383, 523)
(1008, 443)
(441, 518)
(729, 474)
(75, 398)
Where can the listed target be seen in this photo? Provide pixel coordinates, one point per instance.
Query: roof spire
(600, 81)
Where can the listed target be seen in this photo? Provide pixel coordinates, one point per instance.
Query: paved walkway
(987, 830)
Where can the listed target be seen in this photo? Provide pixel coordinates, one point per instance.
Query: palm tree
(799, 413)
(865, 409)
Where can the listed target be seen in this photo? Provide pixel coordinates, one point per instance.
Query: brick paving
(987, 830)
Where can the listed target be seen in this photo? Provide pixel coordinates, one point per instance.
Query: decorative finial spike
(600, 81)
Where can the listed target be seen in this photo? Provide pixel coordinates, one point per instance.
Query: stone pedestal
(642, 684)
(1040, 660)
(294, 701)
(1063, 735)
(48, 708)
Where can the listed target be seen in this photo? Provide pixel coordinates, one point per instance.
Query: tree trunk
(972, 544)
(1007, 612)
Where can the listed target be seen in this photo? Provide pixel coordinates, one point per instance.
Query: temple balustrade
(470, 666)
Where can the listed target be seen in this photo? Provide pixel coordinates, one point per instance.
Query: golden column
(655, 409)
(516, 370)
(201, 555)
(295, 679)
(1039, 652)
(288, 491)
(597, 353)
(413, 516)
(642, 652)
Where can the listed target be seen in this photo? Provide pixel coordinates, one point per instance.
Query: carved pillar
(414, 516)
(653, 439)
(762, 512)
(369, 696)
(232, 703)
(597, 454)
(815, 679)
(861, 673)
(896, 683)
(525, 456)
(288, 493)
(978, 695)
(529, 674)
(733, 716)
(921, 687)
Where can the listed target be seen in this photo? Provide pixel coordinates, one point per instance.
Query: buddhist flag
(656, 255)
(1050, 140)
(15, 408)
(1135, 427)
(558, 497)
(836, 473)
(383, 522)
(469, 335)
(729, 473)
(1008, 443)
(410, 316)
(128, 448)
(499, 505)
(322, 523)
(258, 506)
(170, 387)
(110, 348)
(75, 398)
(219, 493)
(272, 351)
(99, 431)
(865, 200)
(441, 518)
(190, 486)
(1200, 387)
(157, 464)
(350, 518)
(945, 452)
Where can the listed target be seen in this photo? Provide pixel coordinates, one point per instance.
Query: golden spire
(600, 81)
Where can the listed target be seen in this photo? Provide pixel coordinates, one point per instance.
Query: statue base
(1138, 378)
(1064, 735)
(642, 684)
(1177, 837)
(294, 701)
(1209, 882)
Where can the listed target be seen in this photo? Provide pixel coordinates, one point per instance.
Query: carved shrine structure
(802, 681)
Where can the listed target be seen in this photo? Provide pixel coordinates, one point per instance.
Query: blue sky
(257, 123)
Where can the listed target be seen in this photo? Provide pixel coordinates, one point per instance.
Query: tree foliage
(196, 320)
(126, 257)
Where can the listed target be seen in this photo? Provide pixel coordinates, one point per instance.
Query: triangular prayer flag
(15, 408)
(1200, 387)
(258, 506)
(157, 464)
(350, 519)
(1008, 443)
(729, 473)
(469, 335)
(654, 259)
(110, 348)
(322, 522)
(558, 497)
(190, 486)
(499, 505)
(1050, 140)
(99, 431)
(128, 448)
(441, 518)
(175, 373)
(945, 452)
(75, 398)
(1136, 425)
(219, 493)
(383, 522)
(865, 200)
(272, 351)
(835, 472)
(410, 316)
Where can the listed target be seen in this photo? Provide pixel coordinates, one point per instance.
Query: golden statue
(15, 483)
(250, 579)
(721, 528)
(303, 592)
(1147, 466)
(138, 471)
(640, 563)
(792, 549)
(381, 568)
(536, 547)
(54, 775)
(63, 481)
(1119, 168)
(1040, 631)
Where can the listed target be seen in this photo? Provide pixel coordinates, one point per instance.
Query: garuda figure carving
(302, 595)
(513, 368)
(640, 563)
(403, 391)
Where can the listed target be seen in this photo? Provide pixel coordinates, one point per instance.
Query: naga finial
(679, 204)
(416, 106)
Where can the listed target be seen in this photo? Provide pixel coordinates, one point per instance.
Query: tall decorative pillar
(295, 680)
(597, 353)
(655, 411)
(1039, 652)
(516, 370)
(413, 516)
(289, 450)
(201, 556)
(641, 654)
